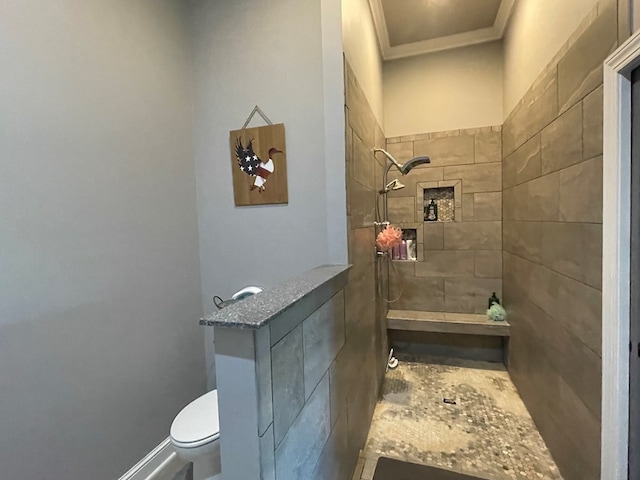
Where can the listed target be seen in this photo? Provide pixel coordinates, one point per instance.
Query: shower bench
(444, 322)
(466, 335)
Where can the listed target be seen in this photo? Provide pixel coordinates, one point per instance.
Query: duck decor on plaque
(431, 212)
(259, 163)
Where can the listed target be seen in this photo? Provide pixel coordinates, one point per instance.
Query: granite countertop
(258, 310)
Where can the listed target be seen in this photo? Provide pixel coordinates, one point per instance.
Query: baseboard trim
(153, 464)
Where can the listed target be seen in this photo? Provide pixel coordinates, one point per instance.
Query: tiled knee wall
(321, 402)
(459, 262)
(301, 365)
(296, 395)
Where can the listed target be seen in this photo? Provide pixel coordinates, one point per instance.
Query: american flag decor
(248, 161)
(259, 165)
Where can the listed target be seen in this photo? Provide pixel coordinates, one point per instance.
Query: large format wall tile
(541, 387)
(524, 164)
(535, 111)
(574, 448)
(362, 200)
(401, 209)
(447, 263)
(468, 204)
(523, 239)
(344, 371)
(401, 151)
(360, 402)
(363, 314)
(433, 236)
(419, 293)
(299, 452)
(536, 200)
(360, 297)
(562, 141)
(337, 461)
(361, 117)
(488, 264)
(592, 124)
(265, 385)
(487, 206)
(575, 250)
(473, 235)
(348, 161)
(288, 382)
(363, 163)
(576, 305)
(580, 70)
(581, 192)
(488, 147)
(483, 177)
(457, 150)
(323, 335)
(470, 295)
(267, 456)
(566, 354)
(552, 240)
(517, 279)
(361, 249)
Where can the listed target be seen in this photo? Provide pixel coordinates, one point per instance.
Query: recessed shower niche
(408, 250)
(439, 202)
(439, 205)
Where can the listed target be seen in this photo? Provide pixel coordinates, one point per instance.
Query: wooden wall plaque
(259, 165)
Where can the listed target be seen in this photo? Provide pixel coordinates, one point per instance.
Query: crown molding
(503, 16)
(474, 37)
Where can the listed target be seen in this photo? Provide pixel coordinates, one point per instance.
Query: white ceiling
(413, 27)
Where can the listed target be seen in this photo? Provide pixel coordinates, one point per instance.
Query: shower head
(414, 162)
(404, 169)
(392, 185)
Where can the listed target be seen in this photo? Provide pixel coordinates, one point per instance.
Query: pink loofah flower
(388, 238)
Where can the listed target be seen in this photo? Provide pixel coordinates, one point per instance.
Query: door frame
(616, 227)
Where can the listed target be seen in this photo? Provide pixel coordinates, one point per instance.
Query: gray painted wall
(99, 281)
(280, 55)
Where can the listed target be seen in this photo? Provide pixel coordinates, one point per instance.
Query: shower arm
(389, 156)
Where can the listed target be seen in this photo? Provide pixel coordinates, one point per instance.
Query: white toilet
(195, 434)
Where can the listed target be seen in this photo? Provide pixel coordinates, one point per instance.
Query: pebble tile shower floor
(487, 432)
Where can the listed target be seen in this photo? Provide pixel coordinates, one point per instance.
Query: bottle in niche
(493, 300)
(411, 250)
(403, 250)
(431, 212)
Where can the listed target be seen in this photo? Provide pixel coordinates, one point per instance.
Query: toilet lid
(197, 423)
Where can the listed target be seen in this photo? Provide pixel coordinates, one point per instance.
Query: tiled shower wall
(460, 262)
(552, 173)
(361, 362)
